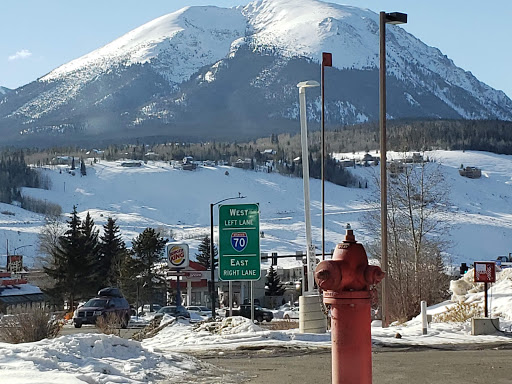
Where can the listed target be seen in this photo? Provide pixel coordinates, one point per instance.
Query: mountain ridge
(148, 81)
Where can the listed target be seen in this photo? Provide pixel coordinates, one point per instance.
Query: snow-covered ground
(97, 358)
(156, 195)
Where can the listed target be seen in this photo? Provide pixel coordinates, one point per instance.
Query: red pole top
(327, 59)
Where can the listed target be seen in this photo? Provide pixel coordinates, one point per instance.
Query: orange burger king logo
(176, 255)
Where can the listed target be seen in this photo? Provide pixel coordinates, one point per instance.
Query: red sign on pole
(327, 59)
(485, 271)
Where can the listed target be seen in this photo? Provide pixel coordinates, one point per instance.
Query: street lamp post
(212, 265)
(21, 246)
(326, 62)
(305, 177)
(385, 18)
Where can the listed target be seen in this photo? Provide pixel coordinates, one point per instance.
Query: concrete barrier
(312, 319)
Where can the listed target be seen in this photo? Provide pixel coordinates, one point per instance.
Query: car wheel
(286, 317)
(78, 325)
(259, 319)
(269, 320)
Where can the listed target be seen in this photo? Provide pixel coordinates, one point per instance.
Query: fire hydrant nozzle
(346, 281)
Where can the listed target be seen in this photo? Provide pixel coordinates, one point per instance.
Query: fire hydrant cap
(349, 237)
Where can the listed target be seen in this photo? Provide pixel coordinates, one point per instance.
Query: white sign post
(177, 259)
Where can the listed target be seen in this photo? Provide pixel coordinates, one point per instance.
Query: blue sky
(38, 36)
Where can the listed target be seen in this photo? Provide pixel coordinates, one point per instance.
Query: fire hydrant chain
(326, 308)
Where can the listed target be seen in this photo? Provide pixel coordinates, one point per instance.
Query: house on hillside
(396, 167)
(152, 156)
(131, 164)
(415, 158)
(471, 172)
(244, 164)
(62, 160)
(347, 163)
(188, 163)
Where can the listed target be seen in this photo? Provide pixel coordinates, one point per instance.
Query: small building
(131, 164)
(16, 291)
(62, 160)
(416, 158)
(347, 163)
(193, 284)
(152, 156)
(188, 163)
(471, 172)
(396, 167)
(244, 164)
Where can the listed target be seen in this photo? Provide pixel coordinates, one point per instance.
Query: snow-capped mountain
(210, 72)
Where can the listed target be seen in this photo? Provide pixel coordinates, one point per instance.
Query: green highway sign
(239, 242)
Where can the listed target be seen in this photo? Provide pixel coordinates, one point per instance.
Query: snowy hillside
(156, 195)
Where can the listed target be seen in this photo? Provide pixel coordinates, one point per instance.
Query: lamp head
(396, 18)
(308, 84)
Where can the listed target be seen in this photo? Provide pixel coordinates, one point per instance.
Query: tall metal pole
(383, 173)
(305, 178)
(326, 62)
(212, 265)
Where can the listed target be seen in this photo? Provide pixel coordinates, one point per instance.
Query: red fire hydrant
(346, 281)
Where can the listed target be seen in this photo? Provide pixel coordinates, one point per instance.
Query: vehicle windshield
(167, 310)
(96, 303)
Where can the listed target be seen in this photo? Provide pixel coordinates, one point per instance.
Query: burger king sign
(177, 255)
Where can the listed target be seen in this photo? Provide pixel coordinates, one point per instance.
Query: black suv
(109, 301)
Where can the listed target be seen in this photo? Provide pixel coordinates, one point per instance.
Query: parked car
(200, 310)
(173, 310)
(260, 313)
(108, 302)
(146, 308)
(291, 313)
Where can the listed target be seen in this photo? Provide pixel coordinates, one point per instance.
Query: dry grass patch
(459, 313)
(281, 325)
(29, 325)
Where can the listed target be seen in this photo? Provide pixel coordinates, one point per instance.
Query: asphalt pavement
(390, 366)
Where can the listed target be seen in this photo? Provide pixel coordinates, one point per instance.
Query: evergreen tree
(112, 254)
(68, 270)
(147, 249)
(91, 256)
(83, 171)
(204, 257)
(273, 286)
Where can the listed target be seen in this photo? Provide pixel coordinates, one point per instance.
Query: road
(390, 366)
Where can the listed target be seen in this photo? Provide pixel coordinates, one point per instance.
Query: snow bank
(91, 358)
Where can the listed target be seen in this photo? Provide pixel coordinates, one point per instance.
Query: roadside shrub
(109, 325)
(459, 313)
(28, 325)
(281, 325)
